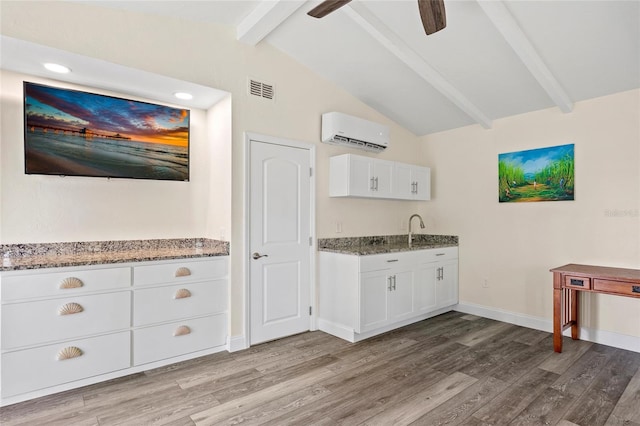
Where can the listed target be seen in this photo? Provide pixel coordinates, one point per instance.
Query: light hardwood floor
(452, 369)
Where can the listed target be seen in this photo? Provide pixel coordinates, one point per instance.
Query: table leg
(557, 312)
(574, 314)
(557, 320)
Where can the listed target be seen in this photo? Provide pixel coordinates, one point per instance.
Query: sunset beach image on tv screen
(76, 133)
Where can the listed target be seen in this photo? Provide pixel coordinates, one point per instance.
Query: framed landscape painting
(543, 174)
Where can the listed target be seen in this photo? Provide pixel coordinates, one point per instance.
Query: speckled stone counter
(52, 255)
(362, 246)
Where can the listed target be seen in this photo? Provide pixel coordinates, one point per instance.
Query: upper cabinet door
(360, 182)
(382, 173)
(404, 182)
(421, 183)
(412, 182)
(349, 176)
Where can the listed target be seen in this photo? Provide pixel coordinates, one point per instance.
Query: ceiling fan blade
(432, 15)
(326, 7)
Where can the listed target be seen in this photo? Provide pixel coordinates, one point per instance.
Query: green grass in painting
(553, 183)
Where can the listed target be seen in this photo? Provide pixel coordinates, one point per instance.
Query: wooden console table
(571, 278)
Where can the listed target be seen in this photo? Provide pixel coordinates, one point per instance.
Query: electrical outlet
(485, 283)
(403, 225)
(338, 227)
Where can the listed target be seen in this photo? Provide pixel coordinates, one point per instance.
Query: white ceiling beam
(264, 19)
(394, 44)
(506, 24)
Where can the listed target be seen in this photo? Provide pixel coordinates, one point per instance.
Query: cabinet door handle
(372, 184)
(376, 183)
(392, 260)
(394, 283)
(439, 254)
(68, 353)
(389, 281)
(182, 293)
(71, 282)
(70, 309)
(183, 272)
(416, 187)
(182, 331)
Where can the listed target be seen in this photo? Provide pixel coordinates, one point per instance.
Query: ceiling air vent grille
(260, 89)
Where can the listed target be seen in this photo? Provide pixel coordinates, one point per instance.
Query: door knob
(257, 255)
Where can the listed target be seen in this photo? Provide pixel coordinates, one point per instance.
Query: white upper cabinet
(412, 182)
(358, 176)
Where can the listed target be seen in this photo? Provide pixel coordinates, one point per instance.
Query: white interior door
(279, 237)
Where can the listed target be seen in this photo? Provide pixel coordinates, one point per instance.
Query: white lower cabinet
(361, 296)
(447, 283)
(67, 327)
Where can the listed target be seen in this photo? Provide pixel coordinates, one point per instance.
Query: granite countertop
(54, 255)
(363, 246)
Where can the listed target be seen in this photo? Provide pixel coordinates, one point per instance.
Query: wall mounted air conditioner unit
(354, 132)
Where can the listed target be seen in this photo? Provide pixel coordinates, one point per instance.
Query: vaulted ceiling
(494, 59)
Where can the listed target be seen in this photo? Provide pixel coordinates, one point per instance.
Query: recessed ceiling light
(183, 95)
(61, 69)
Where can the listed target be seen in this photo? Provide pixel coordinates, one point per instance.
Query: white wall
(218, 161)
(513, 245)
(208, 55)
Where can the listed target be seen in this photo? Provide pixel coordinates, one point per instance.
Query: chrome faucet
(421, 226)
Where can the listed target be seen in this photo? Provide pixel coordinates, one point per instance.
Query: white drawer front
(38, 368)
(21, 285)
(38, 322)
(179, 272)
(157, 343)
(170, 303)
(431, 255)
(377, 262)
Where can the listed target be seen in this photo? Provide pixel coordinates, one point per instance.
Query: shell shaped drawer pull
(183, 293)
(70, 309)
(69, 352)
(182, 330)
(71, 282)
(183, 272)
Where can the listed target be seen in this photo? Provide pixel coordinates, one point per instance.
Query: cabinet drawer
(583, 283)
(378, 262)
(38, 368)
(165, 341)
(178, 272)
(44, 321)
(437, 255)
(71, 282)
(620, 287)
(170, 303)
(405, 259)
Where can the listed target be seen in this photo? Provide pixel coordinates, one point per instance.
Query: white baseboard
(350, 335)
(617, 340)
(237, 343)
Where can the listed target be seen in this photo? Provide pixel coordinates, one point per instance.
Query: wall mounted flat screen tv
(74, 133)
